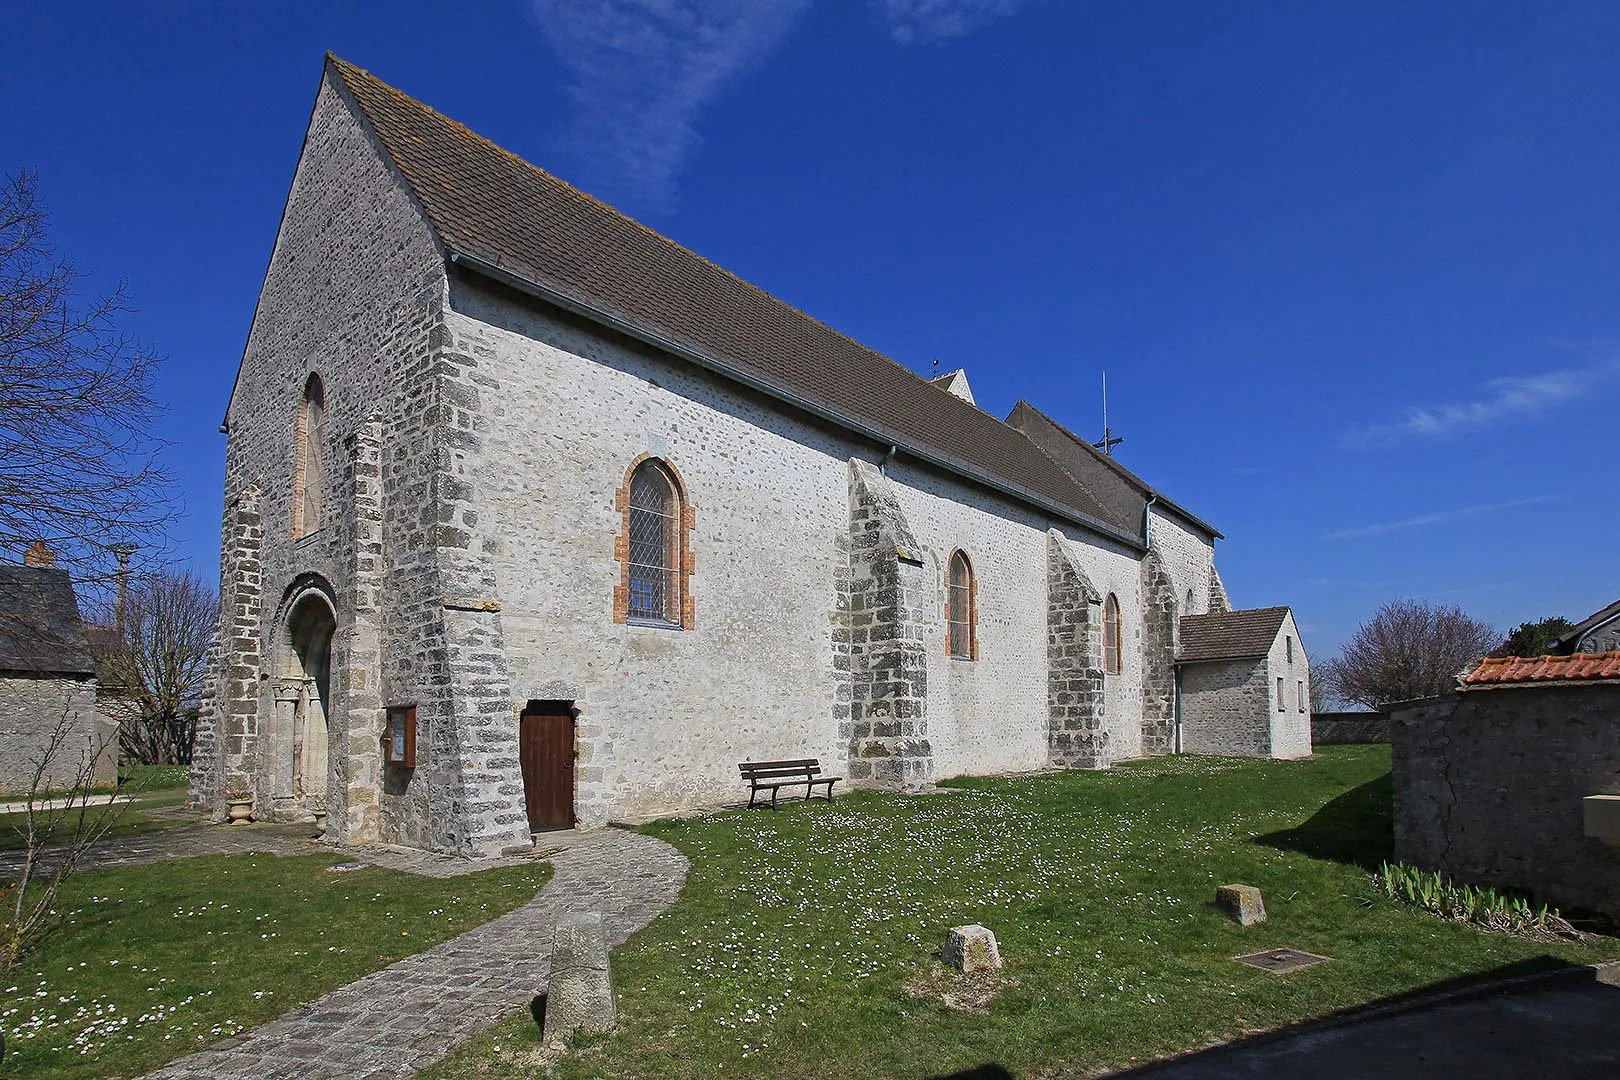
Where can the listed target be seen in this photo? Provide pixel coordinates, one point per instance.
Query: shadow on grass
(1312, 1057)
(983, 1072)
(1356, 828)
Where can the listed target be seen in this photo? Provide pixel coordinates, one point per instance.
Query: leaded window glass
(1111, 658)
(959, 608)
(655, 542)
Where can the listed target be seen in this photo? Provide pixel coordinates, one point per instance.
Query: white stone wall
(31, 709)
(1226, 708)
(1290, 725)
(1187, 556)
(665, 715)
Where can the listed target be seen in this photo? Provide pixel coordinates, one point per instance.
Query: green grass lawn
(154, 962)
(802, 937)
(154, 788)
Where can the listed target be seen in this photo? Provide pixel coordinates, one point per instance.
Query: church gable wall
(353, 293)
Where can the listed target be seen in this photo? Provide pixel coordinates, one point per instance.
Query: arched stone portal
(303, 702)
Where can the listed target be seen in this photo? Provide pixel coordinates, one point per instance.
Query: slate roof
(491, 205)
(1229, 635)
(40, 629)
(1121, 492)
(1582, 667)
(1569, 641)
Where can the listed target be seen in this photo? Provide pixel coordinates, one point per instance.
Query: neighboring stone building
(47, 683)
(1489, 780)
(535, 518)
(1598, 632)
(1245, 684)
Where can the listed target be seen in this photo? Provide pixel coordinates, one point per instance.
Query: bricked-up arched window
(655, 545)
(961, 637)
(1111, 653)
(308, 466)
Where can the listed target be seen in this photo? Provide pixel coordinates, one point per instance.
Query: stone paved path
(403, 1018)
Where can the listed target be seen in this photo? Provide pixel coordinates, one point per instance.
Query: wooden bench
(775, 775)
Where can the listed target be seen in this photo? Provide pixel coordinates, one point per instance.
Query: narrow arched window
(1111, 663)
(1189, 610)
(655, 546)
(959, 610)
(308, 467)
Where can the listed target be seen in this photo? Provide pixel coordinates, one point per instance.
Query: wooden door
(546, 755)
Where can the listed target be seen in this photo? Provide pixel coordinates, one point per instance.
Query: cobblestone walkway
(403, 1018)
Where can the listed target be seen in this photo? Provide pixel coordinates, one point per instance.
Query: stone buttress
(888, 595)
(1160, 625)
(1076, 735)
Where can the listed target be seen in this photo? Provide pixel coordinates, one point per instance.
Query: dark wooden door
(546, 754)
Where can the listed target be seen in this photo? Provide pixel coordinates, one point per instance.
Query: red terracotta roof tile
(1582, 667)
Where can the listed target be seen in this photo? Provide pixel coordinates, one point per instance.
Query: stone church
(535, 519)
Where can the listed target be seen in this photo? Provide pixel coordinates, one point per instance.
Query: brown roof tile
(491, 205)
(1229, 635)
(1582, 667)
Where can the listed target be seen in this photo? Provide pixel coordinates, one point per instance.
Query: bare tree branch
(78, 457)
(1408, 650)
(154, 673)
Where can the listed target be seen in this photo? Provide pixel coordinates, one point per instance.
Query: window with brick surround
(308, 466)
(653, 547)
(961, 610)
(1111, 651)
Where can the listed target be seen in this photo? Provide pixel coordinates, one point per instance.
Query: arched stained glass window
(1111, 651)
(309, 466)
(655, 545)
(959, 613)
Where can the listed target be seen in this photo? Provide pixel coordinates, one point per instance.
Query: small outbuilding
(1245, 684)
(47, 681)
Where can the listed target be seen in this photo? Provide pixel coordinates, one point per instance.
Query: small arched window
(655, 545)
(960, 615)
(1111, 663)
(1189, 610)
(308, 467)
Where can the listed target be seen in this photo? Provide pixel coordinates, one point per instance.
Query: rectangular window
(1302, 695)
(1288, 649)
(1281, 705)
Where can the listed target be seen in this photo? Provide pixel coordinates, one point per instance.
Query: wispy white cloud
(641, 70)
(930, 21)
(1507, 398)
(1361, 532)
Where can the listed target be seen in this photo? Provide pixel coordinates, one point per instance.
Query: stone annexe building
(536, 519)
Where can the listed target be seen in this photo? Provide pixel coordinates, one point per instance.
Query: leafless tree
(1409, 649)
(153, 664)
(59, 827)
(78, 466)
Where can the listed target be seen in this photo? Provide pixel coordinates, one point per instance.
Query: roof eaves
(553, 295)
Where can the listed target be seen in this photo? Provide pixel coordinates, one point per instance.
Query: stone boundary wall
(1328, 728)
(1489, 783)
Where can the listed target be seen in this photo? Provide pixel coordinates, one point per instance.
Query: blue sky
(1352, 268)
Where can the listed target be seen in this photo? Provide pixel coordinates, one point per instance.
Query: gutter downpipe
(532, 288)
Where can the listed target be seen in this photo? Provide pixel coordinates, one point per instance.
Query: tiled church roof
(1229, 635)
(488, 204)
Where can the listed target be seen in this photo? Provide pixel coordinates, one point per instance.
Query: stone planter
(239, 811)
(320, 823)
